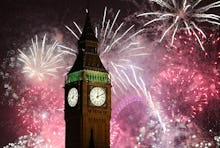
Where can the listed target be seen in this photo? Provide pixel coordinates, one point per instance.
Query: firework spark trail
(37, 106)
(153, 116)
(114, 132)
(192, 84)
(142, 86)
(110, 40)
(180, 15)
(152, 105)
(135, 50)
(107, 36)
(37, 116)
(43, 61)
(181, 128)
(180, 79)
(117, 40)
(120, 78)
(124, 43)
(191, 69)
(68, 50)
(148, 129)
(72, 32)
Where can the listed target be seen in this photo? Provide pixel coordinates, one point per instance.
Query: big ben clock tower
(87, 96)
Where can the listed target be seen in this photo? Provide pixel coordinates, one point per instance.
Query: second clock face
(72, 97)
(97, 96)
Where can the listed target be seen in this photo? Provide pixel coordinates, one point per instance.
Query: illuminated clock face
(72, 97)
(97, 96)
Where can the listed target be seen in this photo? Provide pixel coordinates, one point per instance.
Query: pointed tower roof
(88, 37)
(88, 57)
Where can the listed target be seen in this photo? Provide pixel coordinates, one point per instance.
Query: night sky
(21, 20)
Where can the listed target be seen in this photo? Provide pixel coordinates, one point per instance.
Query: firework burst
(36, 106)
(188, 78)
(121, 48)
(183, 15)
(42, 61)
(122, 44)
(174, 116)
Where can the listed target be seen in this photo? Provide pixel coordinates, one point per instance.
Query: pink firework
(183, 83)
(187, 78)
(41, 112)
(114, 131)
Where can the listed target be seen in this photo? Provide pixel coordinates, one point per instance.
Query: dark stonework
(88, 125)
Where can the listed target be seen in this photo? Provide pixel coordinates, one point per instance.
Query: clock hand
(100, 95)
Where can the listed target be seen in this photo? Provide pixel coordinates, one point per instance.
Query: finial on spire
(87, 6)
(88, 37)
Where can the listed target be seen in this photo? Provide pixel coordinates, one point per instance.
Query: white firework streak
(122, 70)
(108, 37)
(42, 61)
(125, 45)
(142, 87)
(183, 16)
